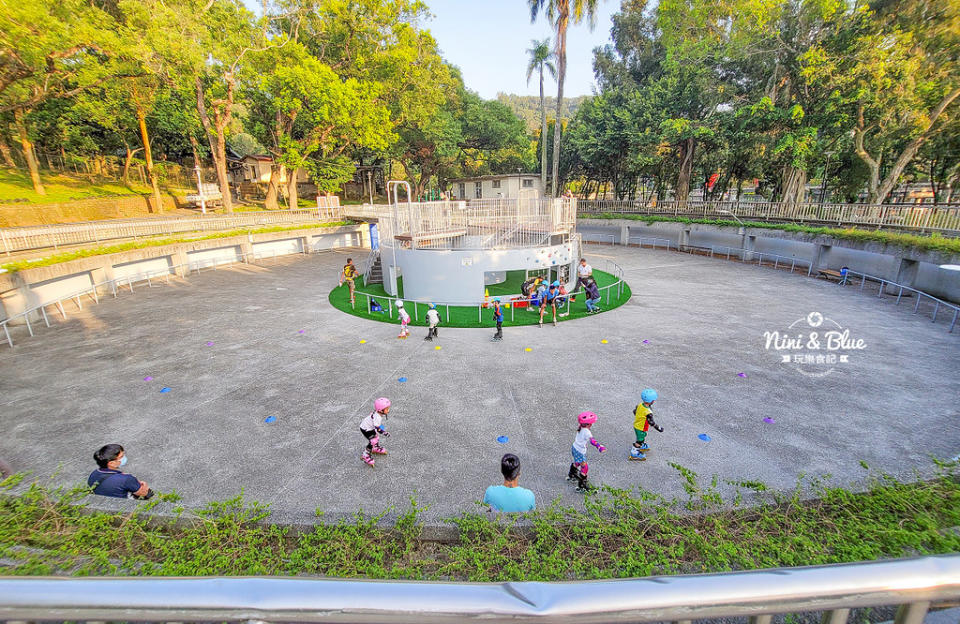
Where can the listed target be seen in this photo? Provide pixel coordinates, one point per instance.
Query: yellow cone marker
(438, 347)
(604, 341)
(528, 349)
(363, 342)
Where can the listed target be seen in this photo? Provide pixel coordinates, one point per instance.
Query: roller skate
(637, 455)
(573, 472)
(379, 450)
(367, 459)
(583, 485)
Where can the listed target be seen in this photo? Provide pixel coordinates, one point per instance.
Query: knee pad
(375, 440)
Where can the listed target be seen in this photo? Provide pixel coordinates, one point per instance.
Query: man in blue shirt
(509, 497)
(107, 480)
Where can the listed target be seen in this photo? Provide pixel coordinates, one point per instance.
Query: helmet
(648, 396)
(497, 299)
(399, 304)
(381, 404)
(586, 418)
(556, 283)
(433, 306)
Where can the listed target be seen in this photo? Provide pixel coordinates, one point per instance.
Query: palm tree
(540, 55)
(560, 12)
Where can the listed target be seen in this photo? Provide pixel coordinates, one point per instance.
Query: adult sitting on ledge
(107, 480)
(509, 497)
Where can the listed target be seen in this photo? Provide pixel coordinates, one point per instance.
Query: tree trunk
(126, 163)
(148, 156)
(292, 195)
(682, 190)
(793, 185)
(5, 150)
(218, 148)
(562, 20)
(271, 203)
(543, 135)
(911, 149)
(28, 153)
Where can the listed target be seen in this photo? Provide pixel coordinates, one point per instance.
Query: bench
(830, 274)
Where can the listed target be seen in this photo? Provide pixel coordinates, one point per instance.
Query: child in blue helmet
(642, 421)
(498, 317)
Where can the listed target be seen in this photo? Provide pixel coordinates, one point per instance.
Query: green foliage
(67, 256)
(933, 242)
(617, 534)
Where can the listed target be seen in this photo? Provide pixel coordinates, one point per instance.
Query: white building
(496, 186)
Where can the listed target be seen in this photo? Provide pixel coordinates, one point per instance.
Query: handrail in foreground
(911, 583)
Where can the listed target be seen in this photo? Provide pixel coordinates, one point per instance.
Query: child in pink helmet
(579, 467)
(404, 320)
(372, 428)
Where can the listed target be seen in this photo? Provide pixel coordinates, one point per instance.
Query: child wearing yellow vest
(642, 421)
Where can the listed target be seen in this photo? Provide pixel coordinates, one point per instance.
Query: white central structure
(450, 251)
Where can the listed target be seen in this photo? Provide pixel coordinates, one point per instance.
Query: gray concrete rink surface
(80, 384)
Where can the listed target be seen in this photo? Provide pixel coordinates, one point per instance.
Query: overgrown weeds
(616, 534)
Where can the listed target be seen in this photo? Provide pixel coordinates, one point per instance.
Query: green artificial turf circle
(467, 316)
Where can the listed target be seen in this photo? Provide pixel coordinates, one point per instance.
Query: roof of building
(502, 176)
(261, 157)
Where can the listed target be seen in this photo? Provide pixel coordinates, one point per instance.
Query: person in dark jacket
(108, 480)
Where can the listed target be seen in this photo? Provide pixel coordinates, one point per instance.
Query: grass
(15, 187)
(617, 534)
(466, 316)
(67, 256)
(933, 242)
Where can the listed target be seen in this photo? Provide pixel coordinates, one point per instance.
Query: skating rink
(237, 346)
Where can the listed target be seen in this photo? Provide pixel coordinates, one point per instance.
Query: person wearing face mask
(108, 480)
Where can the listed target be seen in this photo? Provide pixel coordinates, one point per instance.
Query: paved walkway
(693, 325)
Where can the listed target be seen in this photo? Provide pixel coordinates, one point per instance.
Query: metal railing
(653, 242)
(885, 284)
(912, 584)
(922, 217)
(605, 292)
(478, 224)
(114, 286)
(56, 236)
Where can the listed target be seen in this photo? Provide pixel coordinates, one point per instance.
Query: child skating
(372, 428)
(433, 319)
(404, 320)
(642, 421)
(579, 467)
(498, 318)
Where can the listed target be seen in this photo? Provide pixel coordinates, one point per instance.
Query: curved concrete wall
(33, 287)
(454, 276)
(910, 267)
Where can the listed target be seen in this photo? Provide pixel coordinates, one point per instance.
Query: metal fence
(478, 224)
(922, 217)
(932, 304)
(910, 584)
(606, 292)
(55, 236)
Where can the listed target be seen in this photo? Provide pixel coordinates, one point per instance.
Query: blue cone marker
(402, 379)
(704, 437)
(270, 419)
(503, 439)
(165, 390)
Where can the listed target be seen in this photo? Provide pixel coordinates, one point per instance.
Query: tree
(540, 56)
(560, 12)
(310, 117)
(892, 82)
(55, 49)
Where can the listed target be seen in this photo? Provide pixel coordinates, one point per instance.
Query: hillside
(527, 108)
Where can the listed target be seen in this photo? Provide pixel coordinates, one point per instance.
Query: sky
(488, 41)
